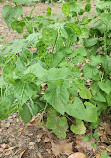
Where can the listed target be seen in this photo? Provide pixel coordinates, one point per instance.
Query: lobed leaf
(58, 124)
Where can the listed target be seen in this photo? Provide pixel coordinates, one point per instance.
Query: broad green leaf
(81, 12)
(66, 9)
(95, 136)
(108, 65)
(100, 25)
(57, 95)
(2, 82)
(95, 60)
(49, 36)
(91, 111)
(106, 18)
(26, 114)
(88, 7)
(8, 73)
(94, 88)
(78, 55)
(20, 67)
(76, 84)
(103, 5)
(85, 93)
(94, 125)
(58, 124)
(91, 42)
(74, 27)
(25, 2)
(28, 78)
(97, 94)
(105, 86)
(72, 37)
(18, 26)
(57, 58)
(90, 71)
(64, 33)
(104, 155)
(9, 14)
(86, 138)
(5, 105)
(78, 59)
(78, 110)
(85, 20)
(37, 70)
(26, 56)
(19, 45)
(99, 97)
(54, 74)
(29, 28)
(79, 128)
(24, 92)
(59, 43)
(48, 13)
(84, 33)
(81, 50)
(108, 98)
(48, 59)
(75, 6)
(49, 9)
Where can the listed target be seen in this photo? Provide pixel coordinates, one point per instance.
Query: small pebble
(41, 150)
(38, 140)
(1, 150)
(3, 140)
(31, 143)
(15, 156)
(7, 124)
(4, 146)
(0, 130)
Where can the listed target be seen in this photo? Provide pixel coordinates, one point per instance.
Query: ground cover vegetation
(61, 67)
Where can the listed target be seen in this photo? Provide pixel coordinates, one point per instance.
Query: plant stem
(33, 9)
(105, 42)
(69, 119)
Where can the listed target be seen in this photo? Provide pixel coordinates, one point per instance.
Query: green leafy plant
(48, 54)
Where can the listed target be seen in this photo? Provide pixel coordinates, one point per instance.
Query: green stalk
(33, 9)
(105, 42)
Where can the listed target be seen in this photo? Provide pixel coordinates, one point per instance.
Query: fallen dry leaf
(22, 153)
(11, 148)
(40, 135)
(98, 156)
(77, 155)
(46, 140)
(4, 146)
(33, 122)
(1, 150)
(39, 155)
(48, 150)
(84, 145)
(62, 147)
(20, 129)
(7, 153)
(109, 148)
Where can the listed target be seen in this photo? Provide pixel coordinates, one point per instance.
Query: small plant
(48, 54)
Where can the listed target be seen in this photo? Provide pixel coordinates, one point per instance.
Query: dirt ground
(32, 141)
(40, 9)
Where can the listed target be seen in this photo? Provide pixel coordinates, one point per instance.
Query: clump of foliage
(48, 54)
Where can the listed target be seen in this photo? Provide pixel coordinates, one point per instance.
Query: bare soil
(40, 9)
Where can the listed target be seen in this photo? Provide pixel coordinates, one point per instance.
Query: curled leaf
(77, 155)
